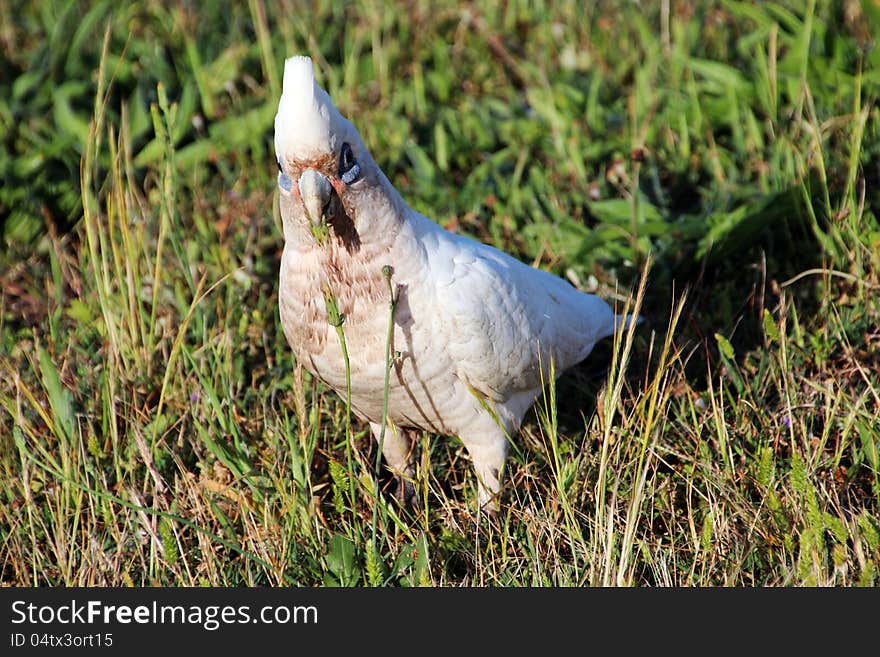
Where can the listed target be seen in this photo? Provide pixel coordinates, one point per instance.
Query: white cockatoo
(475, 330)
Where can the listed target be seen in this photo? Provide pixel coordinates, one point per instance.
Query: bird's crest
(306, 119)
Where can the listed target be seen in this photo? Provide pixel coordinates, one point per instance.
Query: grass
(716, 163)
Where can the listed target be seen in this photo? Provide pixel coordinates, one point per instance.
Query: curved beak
(315, 190)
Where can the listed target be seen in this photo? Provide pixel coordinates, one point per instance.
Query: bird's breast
(422, 382)
(321, 288)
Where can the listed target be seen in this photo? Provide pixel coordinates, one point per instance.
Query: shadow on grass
(727, 291)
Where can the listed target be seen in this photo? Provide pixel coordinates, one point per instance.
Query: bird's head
(329, 184)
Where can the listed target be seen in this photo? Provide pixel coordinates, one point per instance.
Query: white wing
(502, 321)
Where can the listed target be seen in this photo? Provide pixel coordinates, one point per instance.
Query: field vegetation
(715, 164)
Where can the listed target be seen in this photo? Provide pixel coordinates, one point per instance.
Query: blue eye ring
(285, 182)
(352, 174)
(349, 169)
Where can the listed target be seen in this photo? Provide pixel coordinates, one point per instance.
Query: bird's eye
(285, 182)
(349, 169)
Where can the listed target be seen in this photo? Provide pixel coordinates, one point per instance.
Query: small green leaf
(835, 526)
(868, 575)
(706, 534)
(870, 531)
(766, 467)
(334, 317)
(869, 445)
(169, 544)
(339, 475)
(375, 566)
(94, 448)
(838, 554)
(422, 568)
(67, 121)
(725, 347)
(341, 560)
(770, 328)
(59, 398)
(80, 312)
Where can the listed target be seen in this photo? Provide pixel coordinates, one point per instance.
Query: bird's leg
(397, 448)
(488, 451)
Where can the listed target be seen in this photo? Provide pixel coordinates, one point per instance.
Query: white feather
(304, 124)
